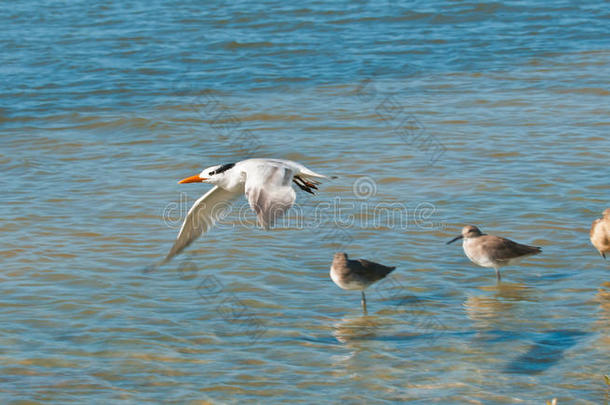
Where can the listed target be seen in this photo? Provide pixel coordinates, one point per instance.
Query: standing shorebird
(266, 184)
(600, 233)
(492, 251)
(356, 274)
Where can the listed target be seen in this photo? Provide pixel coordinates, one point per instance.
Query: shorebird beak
(192, 179)
(454, 239)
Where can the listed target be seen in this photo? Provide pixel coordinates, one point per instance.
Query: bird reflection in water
(603, 297)
(512, 292)
(359, 328)
(498, 310)
(355, 333)
(603, 321)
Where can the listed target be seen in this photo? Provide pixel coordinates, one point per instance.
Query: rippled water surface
(432, 115)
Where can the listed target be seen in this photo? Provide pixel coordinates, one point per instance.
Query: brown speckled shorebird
(492, 251)
(356, 274)
(600, 233)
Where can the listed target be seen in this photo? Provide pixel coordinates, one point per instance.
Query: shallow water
(433, 115)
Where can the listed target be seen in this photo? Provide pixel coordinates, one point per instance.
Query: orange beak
(192, 179)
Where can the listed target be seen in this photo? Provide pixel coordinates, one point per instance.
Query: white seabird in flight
(265, 182)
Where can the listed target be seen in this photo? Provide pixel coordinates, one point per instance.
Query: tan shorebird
(600, 233)
(492, 251)
(356, 274)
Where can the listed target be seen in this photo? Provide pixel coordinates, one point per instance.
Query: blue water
(432, 115)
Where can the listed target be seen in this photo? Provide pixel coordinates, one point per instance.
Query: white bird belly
(341, 283)
(482, 260)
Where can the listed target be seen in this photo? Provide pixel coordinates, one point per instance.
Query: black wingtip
(303, 185)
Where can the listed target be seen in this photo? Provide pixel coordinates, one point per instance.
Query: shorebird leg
(498, 276)
(304, 185)
(363, 302)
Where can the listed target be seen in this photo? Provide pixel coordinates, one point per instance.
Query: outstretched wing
(201, 217)
(269, 191)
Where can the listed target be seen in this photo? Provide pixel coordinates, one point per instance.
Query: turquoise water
(432, 115)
